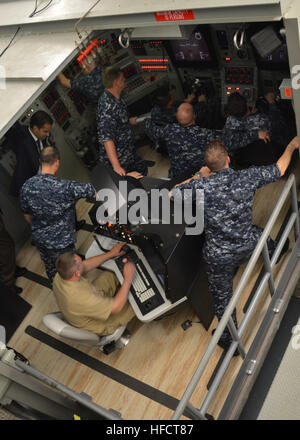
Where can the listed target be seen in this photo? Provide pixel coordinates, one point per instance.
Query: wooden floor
(160, 353)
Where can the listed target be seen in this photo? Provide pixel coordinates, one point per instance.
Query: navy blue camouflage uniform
(257, 152)
(256, 121)
(113, 124)
(186, 145)
(51, 203)
(164, 115)
(230, 236)
(280, 131)
(90, 85)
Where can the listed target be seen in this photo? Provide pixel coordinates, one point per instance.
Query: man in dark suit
(28, 147)
(8, 269)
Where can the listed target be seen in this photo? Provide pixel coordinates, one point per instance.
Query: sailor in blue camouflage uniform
(186, 141)
(280, 112)
(48, 204)
(89, 84)
(116, 145)
(163, 115)
(256, 153)
(164, 109)
(240, 118)
(230, 236)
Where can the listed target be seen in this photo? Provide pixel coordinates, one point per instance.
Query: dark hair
(109, 75)
(162, 97)
(215, 155)
(262, 105)
(66, 265)
(40, 118)
(237, 105)
(49, 155)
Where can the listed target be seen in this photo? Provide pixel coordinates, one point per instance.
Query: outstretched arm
(284, 161)
(93, 262)
(121, 297)
(154, 131)
(65, 82)
(234, 139)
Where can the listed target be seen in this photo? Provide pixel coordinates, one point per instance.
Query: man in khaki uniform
(101, 306)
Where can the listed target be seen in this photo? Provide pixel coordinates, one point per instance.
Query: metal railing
(237, 333)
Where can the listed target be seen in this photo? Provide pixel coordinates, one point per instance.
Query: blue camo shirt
(51, 203)
(164, 115)
(90, 85)
(113, 124)
(186, 145)
(257, 121)
(228, 202)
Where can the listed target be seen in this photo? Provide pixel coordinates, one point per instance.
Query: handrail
(260, 248)
(84, 401)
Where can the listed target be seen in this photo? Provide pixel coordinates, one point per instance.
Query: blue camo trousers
(49, 257)
(220, 273)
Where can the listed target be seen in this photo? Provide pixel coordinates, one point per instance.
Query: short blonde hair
(66, 265)
(109, 76)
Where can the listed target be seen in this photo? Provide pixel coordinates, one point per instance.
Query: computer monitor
(197, 51)
(270, 48)
(102, 180)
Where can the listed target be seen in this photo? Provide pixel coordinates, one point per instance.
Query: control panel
(241, 79)
(145, 64)
(117, 232)
(237, 66)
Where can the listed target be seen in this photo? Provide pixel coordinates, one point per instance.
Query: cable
(37, 12)
(33, 13)
(14, 36)
(35, 8)
(84, 15)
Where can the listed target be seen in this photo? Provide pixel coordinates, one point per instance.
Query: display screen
(279, 55)
(222, 39)
(194, 49)
(276, 60)
(197, 50)
(129, 71)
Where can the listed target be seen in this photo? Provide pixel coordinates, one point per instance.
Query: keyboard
(143, 289)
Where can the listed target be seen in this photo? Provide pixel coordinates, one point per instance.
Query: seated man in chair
(100, 307)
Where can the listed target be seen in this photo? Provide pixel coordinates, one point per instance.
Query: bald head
(50, 158)
(185, 114)
(49, 155)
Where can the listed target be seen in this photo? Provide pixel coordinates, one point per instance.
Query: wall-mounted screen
(197, 51)
(278, 58)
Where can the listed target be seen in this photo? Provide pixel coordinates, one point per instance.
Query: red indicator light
(154, 67)
(288, 92)
(158, 60)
